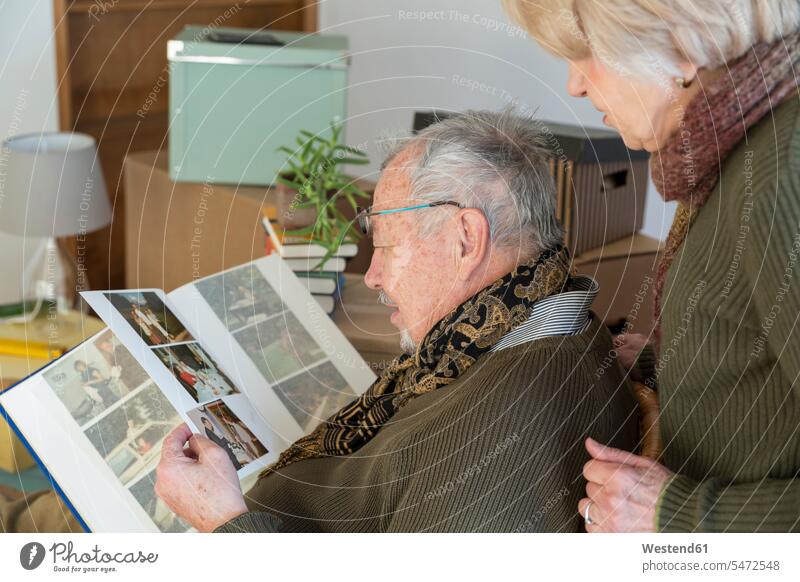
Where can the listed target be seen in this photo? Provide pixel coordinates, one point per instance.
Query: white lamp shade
(53, 186)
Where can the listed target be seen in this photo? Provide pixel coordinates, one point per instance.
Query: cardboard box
(176, 232)
(625, 270)
(600, 185)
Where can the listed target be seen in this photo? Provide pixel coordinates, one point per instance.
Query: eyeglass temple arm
(426, 205)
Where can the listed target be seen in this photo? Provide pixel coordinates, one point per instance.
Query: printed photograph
(220, 424)
(196, 372)
(240, 297)
(149, 317)
(279, 346)
(129, 437)
(94, 376)
(145, 494)
(118, 357)
(314, 395)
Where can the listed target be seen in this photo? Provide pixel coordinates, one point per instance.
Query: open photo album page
(96, 420)
(246, 357)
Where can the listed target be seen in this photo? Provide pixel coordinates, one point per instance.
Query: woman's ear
(474, 241)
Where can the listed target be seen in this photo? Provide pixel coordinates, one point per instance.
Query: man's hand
(199, 483)
(623, 489)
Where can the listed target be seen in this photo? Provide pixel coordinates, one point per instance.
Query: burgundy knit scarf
(688, 167)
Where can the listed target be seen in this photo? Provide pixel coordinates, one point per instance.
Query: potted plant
(310, 191)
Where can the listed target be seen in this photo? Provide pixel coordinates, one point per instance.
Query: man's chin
(407, 344)
(394, 318)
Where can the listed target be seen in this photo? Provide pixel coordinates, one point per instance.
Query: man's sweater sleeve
(251, 522)
(772, 265)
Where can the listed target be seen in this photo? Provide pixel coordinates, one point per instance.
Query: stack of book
(303, 257)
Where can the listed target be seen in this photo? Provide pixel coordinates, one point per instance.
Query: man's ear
(474, 241)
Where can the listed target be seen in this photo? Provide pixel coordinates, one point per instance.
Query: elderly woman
(710, 88)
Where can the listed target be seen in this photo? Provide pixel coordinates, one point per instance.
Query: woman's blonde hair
(651, 37)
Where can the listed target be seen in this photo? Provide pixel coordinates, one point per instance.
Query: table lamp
(51, 186)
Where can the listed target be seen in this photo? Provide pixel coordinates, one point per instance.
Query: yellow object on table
(26, 347)
(23, 349)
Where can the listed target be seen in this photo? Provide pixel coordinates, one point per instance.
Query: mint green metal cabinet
(235, 95)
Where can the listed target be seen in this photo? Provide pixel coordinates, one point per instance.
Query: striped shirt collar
(565, 313)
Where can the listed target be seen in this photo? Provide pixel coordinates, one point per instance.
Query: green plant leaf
(335, 212)
(347, 148)
(289, 183)
(316, 161)
(355, 190)
(307, 148)
(343, 222)
(323, 260)
(306, 204)
(295, 169)
(349, 197)
(286, 150)
(360, 193)
(320, 181)
(355, 161)
(340, 238)
(336, 132)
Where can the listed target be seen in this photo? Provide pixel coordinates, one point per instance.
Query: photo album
(246, 357)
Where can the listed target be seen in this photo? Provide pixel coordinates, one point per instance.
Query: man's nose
(576, 83)
(372, 278)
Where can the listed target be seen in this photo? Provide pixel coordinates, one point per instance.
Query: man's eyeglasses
(363, 214)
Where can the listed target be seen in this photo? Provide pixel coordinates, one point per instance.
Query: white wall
(452, 55)
(27, 104)
(463, 55)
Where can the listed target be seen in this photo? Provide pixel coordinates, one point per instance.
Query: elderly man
(480, 425)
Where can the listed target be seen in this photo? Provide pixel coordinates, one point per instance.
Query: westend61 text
(674, 549)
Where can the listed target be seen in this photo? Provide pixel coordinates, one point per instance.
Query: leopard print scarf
(446, 352)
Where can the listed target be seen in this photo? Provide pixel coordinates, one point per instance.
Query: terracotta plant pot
(288, 215)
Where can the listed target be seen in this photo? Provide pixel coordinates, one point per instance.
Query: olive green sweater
(499, 449)
(730, 351)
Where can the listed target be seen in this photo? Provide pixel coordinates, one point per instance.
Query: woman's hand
(199, 483)
(623, 489)
(628, 346)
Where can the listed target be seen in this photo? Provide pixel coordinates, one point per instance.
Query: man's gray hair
(497, 162)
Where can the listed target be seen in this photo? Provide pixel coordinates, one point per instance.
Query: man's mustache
(385, 299)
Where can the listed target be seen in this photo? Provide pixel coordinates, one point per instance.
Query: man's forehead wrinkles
(392, 193)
